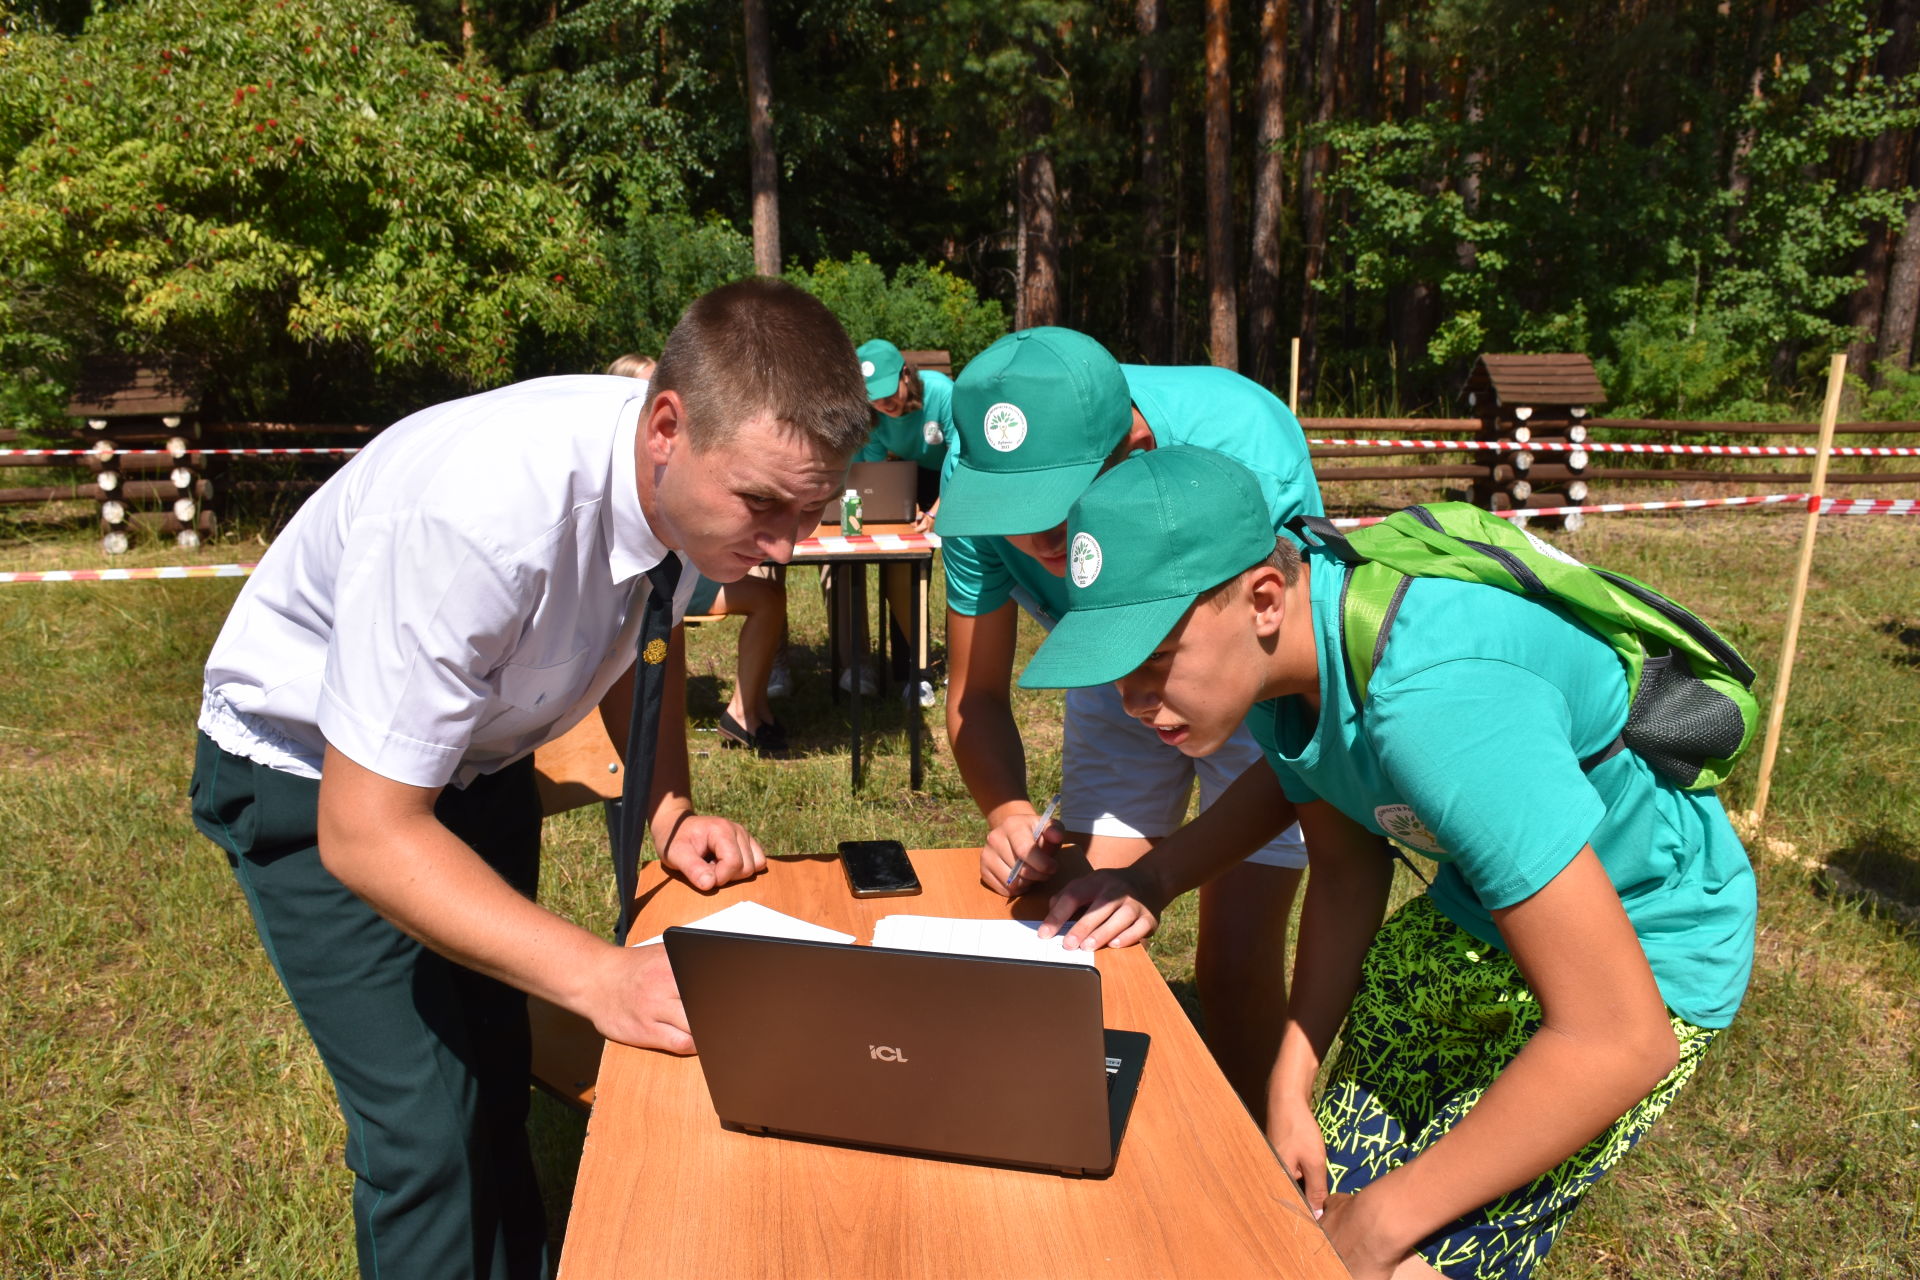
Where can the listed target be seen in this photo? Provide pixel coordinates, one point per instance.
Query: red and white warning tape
(1589, 446)
(103, 450)
(1828, 507)
(134, 575)
(1870, 507)
(926, 541)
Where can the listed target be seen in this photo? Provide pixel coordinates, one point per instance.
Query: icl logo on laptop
(885, 1053)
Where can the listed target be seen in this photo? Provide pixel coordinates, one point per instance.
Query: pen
(1019, 864)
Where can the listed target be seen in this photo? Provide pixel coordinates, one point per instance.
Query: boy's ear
(1266, 595)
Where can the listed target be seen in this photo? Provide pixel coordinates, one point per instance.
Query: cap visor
(1098, 646)
(977, 503)
(883, 384)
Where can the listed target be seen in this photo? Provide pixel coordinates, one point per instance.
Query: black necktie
(643, 732)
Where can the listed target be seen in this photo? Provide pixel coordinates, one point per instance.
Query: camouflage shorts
(1438, 1015)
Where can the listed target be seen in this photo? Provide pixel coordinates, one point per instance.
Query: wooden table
(875, 544)
(663, 1190)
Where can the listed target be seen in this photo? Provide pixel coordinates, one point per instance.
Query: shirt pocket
(543, 690)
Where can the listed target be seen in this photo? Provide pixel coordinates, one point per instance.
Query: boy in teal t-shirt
(1041, 413)
(1522, 1024)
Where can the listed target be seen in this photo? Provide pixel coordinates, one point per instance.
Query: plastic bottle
(850, 521)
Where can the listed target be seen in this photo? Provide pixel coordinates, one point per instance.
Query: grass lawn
(163, 1114)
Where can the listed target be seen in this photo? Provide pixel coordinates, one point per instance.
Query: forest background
(342, 209)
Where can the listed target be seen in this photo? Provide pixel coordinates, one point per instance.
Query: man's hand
(709, 851)
(1116, 908)
(633, 999)
(1011, 842)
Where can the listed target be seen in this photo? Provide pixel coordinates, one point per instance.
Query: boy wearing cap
(914, 423)
(1041, 413)
(1511, 1033)
(914, 409)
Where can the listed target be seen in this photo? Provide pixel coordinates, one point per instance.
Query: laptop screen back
(995, 1060)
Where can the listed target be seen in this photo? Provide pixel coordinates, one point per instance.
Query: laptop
(960, 1057)
(887, 491)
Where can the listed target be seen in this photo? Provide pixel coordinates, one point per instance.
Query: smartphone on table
(878, 869)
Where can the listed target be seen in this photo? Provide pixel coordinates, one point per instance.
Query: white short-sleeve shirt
(463, 590)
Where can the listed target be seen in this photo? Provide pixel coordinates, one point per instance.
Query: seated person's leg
(763, 608)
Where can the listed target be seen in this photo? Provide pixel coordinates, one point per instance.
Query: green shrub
(921, 308)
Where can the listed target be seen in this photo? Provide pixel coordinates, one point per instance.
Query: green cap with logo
(880, 364)
(1038, 412)
(1142, 544)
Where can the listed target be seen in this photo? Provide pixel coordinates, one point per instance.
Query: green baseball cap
(1143, 542)
(1039, 412)
(880, 364)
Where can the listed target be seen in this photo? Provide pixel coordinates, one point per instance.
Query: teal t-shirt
(925, 436)
(1183, 404)
(1468, 749)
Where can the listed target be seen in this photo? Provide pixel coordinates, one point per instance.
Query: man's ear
(663, 427)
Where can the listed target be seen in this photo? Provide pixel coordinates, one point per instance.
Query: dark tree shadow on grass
(1881, 872)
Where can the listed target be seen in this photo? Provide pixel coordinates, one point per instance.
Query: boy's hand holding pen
(1023, 844)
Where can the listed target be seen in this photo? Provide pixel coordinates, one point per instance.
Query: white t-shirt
(463, 590)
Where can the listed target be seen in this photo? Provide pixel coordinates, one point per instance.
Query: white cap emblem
(1006, 427)
(1083, 560)
(866, 368)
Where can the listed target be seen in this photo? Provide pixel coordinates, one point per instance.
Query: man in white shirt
(467, 588)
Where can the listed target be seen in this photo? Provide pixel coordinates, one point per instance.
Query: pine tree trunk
(1154, 326)
(1313, 204)
(763, 170)
(1263, 363)
(1039, 227)
(1903, 284)
(1221, 308)
(1880, 165)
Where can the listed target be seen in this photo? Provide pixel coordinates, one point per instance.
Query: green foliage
(662, 261)
(1605, 193)
(921, 307)
(273, 190)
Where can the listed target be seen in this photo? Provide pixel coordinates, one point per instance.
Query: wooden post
(1836, 379)
(1293, 378)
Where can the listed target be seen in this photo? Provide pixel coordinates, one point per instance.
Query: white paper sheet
(765, 922)
(999, 939)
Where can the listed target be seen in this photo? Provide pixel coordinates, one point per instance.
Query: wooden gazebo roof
(124, 389)
(1536, 381)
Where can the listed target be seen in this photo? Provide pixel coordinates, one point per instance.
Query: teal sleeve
(1481, 750)
(1261, 723)
(977, 577)
(872, 451)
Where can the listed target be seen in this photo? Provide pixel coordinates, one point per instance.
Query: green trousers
(430, 1059)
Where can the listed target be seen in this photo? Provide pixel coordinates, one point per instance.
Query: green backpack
(1691, 710)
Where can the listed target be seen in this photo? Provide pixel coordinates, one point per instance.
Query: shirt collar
(632, 546)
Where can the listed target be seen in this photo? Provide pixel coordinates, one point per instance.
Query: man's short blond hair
(763, 346)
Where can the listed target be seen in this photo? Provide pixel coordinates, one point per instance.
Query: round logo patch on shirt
(934, 434)
(1401, 823)
(866, 368)
(1083, 560)
(1006, 427)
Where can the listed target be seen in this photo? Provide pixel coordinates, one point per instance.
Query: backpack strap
(1369, 601)
(1324, 533)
